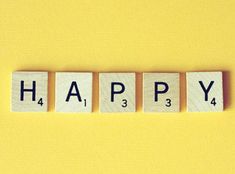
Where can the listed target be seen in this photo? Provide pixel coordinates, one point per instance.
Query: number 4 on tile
(204, 92)
(29, 91)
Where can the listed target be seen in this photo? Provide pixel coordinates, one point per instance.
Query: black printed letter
(206, 91)
(22, 91)
(116, 92)
(75, 86)
(157, 84)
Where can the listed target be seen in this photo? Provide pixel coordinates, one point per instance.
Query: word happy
(117, 92)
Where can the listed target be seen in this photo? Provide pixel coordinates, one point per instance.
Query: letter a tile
(204, 92)
(73, 92)
(161, 92)
(117, 92)
(29, 91)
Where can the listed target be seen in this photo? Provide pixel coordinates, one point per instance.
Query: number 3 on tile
(168, 102)
(124, 103)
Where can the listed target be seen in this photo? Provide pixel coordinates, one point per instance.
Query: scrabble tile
(29, 91)
(117, 92)
(204, 92)
(73, 92)
(161, 92)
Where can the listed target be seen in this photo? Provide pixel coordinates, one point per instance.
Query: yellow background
(117, 35)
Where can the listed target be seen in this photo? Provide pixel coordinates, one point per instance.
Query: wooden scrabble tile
(161, 92)
(204, 92)
(73, 92)
(117, 92)
(29, 91)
